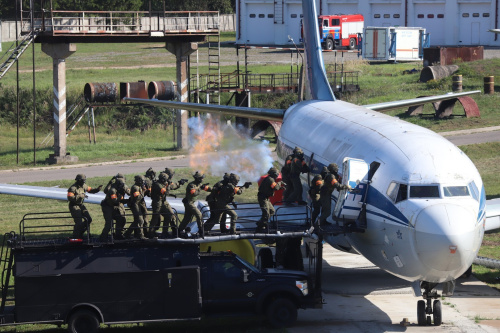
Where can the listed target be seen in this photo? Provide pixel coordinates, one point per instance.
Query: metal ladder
(6, 263)
(214, 68)
(70, 124)
(17, 52)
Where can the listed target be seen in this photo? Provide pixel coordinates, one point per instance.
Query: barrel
(133, 90)
(489, 84)
(100, 92)
(456, 83)
(437, 72)
(162, 90)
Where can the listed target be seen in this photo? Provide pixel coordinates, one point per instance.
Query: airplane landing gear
(426, 308)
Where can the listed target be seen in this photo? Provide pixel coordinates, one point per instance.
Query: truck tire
(352, 44)
(329, 45)
(83, 321)
(281, 312)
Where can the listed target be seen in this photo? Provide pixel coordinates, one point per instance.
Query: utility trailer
(394, 43)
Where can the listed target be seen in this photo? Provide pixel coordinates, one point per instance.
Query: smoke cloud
(217, 148)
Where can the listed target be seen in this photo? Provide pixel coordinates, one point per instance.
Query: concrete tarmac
(360, 297)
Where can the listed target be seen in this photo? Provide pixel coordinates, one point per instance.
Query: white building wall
(445, 20)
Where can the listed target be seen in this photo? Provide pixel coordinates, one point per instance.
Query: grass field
(132, 62)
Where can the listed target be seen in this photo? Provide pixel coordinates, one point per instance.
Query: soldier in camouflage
(314, 193)
(297, 167)
(266, 190)
(331, 183)
(76, 196)
(192, 191)
(134, 203)
(212, 201)
(113, 210)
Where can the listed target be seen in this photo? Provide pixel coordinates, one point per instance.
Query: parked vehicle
(340, 31)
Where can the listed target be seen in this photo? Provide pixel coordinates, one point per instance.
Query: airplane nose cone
(444, 237)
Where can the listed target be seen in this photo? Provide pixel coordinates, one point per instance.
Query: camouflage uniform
(226, 197)
(285, 176)
(330, 184)
(112, 209)
(216, 215)
(160, 205)
(314, 192)
(76, 197)
(297, 167)
(192, 191)
(134, 203)
(266, 190)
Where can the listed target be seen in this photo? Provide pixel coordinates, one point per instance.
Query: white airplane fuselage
(432, 237)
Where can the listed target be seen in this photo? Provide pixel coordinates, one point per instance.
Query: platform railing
(121, 22)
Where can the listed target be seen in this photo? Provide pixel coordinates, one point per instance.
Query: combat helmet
(119, 183)
(333, 168)
(234, 179)
(273, 172)
(120, 175)
(150, 173)
(162, 178)
(170, 173)
(139, 180)
(198, 175)
(81, 178)
(298, 152)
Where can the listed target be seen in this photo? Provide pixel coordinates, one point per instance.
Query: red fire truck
(340, 30)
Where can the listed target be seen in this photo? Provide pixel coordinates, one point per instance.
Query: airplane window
(252, 16)
(474, 190)
(486, 14)
(262, 15)
(293, 16)
(402, 193)
(387, 15)
(456, 191)
(424, 191)
(392, 191)
(376, 16)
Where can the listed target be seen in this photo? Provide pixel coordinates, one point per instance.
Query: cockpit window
(456, 191)
(424, 191)
(402, 193)
(474, 190)
(397, 192)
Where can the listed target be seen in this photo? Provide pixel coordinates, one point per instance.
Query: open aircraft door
(349, 204)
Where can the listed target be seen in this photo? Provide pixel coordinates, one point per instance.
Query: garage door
(386, 15)
(341, 8)
(293, 15)
(474, 22)
(260, 24)
(431, 17)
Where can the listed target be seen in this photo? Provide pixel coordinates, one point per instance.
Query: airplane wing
(386, 106)
(492, 214)
(58, 193)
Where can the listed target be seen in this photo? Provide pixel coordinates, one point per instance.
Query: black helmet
(163, 178)
(273, 172)
(333, 168)
(120, 184)
(169, 172)
(81, 177)
(297, 151)
(139, 179)
(225, 178)
(150, 173)
(198, 176)
(120, 175)
(234, 179)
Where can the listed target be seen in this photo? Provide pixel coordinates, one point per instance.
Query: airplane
(419, 199)
(422, 199)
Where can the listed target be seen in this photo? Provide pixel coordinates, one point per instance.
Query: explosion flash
(217, 148)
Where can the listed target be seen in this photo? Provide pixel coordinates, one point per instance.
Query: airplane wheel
(421, 313)
(436, 313)
(429, 321)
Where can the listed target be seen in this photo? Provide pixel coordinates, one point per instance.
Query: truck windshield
(248, 265)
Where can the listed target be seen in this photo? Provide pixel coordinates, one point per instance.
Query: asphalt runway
(361, 297)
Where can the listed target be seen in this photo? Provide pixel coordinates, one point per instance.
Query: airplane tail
(317, 82)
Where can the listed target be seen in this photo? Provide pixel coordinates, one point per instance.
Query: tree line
(8, 7)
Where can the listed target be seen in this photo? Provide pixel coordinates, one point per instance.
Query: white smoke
(219, 148)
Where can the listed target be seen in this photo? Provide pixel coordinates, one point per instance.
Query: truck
(394, 43)
(340, 30)
(84, 284)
